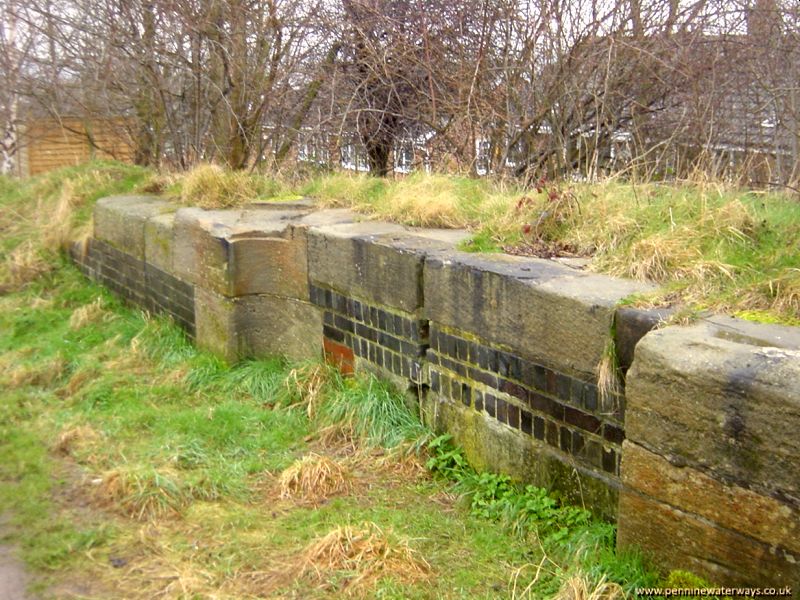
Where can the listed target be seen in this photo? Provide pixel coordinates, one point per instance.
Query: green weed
(370, 410)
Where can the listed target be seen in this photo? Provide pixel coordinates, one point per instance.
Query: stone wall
(502, 352)
(711, 464)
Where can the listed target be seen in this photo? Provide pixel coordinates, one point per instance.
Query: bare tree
(533, 87)
(16, 43)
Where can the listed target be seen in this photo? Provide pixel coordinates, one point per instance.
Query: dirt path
(13, 577)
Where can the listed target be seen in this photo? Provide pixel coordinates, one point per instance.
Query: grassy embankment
(709, 247)
(133, 465)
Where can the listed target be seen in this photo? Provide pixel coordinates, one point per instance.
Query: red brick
(339, 355)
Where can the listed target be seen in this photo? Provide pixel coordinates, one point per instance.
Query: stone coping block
(257, 326)
(722, 397)
(756, 334)
(547, 312)
(681, 540)
(730, 506)
(120, 221)
(377, 262)
(159, 241)
(237, 252)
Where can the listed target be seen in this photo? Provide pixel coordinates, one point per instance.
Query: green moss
(763, 316)
(687, 580)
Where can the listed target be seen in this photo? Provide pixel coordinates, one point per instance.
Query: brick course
(548, 405)
(137, 282)
(389, 340)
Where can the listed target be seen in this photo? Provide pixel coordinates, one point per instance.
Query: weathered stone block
(682, 540)
(201, 249)
(711, 462)
(270, 325)
(729, 506)
(545, 311)
(241, 252)
(120, 221)
(257, 325)
(269, 265)
(379, 262)
(721, 401)
(215, 324)
(159, 238)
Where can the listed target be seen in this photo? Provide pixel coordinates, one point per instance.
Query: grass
(201, 478)
(315, 478)
(708, 246)
(210, 186)
(366, 553)
(39, 215)
(133, 464)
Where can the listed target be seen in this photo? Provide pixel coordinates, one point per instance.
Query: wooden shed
(48, 143)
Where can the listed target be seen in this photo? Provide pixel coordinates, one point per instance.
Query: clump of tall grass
(579, 587)
(363, 554)
(142, 492)
(75, 439)
(370, 411)
(145, 492)
(419, 200)
(211, 186)
(41, 374)
(40, 216)
(306, 385)
(315, 478)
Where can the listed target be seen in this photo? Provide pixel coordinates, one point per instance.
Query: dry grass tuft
(430, 201)
(56, 230)
(607, 371)
(75, 439)
(656, 258)
(42, 374)
(315, 478)
(89, 313)
(305, 386)
(579, 587)
(159, 183)
(211, 186)
(401, 464)
(47, 226)
(141, 493)
(23, 265)
(785, 291)
(366, 554)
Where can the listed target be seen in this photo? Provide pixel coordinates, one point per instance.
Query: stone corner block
(239, 252)
(269, 265)
(269, 325)
(120, 221)
(720, 400)
(257, 326)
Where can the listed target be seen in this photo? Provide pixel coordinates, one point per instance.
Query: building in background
(46, 143)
